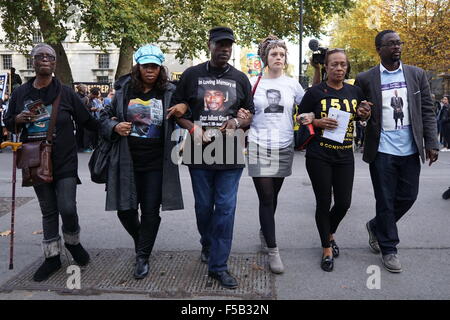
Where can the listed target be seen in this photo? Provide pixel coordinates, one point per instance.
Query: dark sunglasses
(41, 57)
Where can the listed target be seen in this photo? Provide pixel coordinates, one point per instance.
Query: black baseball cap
(221, 33)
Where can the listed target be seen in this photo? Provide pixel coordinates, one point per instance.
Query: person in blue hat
(139, 124)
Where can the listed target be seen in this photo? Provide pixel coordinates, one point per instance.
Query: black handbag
(303, 136)
(99, 162)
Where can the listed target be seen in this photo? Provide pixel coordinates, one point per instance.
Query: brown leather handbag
(35, 158)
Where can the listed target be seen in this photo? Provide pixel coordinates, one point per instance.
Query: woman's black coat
(121, 188)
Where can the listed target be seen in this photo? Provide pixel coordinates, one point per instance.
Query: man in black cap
(215, 175)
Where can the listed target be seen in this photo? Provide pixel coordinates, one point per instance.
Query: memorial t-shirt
(214, 96)
(319, 99)
(146, 113)
(273, 126)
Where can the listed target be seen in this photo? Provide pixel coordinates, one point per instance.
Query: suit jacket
(422, 117)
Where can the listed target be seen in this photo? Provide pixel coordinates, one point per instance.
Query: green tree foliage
(182, 24)
(21, 19)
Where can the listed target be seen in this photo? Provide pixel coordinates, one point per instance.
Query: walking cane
(14, 146)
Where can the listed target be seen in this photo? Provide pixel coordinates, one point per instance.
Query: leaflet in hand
(343, 118)
(39, 111)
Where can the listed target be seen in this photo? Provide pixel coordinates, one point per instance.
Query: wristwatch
(238, 125)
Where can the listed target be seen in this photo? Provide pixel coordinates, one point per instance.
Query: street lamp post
(300, 71)
(305, 81)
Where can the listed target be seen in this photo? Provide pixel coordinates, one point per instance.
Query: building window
(103, 61)
(37, 37)
(30, 63)
(7, 61)
(103, 79)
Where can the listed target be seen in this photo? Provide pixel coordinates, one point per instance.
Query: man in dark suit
(397, 105)
(394, 155)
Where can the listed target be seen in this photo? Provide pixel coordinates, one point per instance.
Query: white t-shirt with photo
(273, 125)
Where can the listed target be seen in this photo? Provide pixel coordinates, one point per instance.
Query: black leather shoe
(141, 269)
(204, 256)
(446, 194)
(335, 248)
(327, 263)
(225, 279)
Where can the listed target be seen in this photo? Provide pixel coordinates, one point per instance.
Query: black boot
(130, 222)
(79, 254)
(147, 236)
(49, 267)
(141, 269)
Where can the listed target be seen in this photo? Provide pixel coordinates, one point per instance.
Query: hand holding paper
(337, 134)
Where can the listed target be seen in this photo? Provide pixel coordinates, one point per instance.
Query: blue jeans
(395, 181)
(215, 194)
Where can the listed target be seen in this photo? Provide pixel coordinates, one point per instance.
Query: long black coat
(121, 188)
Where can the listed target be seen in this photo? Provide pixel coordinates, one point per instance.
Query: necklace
(222, 74)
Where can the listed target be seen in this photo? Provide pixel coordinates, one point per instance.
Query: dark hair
(379, 37)
(269, 43)
(138, 85)
(337, 50)
(277, 92)
(95, 91)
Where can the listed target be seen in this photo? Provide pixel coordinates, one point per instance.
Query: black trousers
(149, 195)
(55, 199)
(395, 181)
(328, 178)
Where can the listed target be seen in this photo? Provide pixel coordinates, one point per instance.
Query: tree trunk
(47, 27)
(63, 71)
(125, 58)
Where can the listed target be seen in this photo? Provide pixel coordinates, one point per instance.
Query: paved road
(424, 249)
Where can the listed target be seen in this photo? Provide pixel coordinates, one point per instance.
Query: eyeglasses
(392, 44)
(41, 57)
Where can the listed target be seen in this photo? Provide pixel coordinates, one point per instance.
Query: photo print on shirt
(146, 116)
(395, 106)
(39, 127)
(218, 96)
(273, 99)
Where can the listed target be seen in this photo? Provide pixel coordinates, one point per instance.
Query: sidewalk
(424, 249)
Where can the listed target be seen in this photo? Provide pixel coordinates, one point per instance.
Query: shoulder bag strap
(53, 116)
(256, 84)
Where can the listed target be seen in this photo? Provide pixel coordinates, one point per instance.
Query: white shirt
(274, 99)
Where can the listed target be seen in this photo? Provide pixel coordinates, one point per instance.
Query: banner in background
(104, 87)
(3, 84)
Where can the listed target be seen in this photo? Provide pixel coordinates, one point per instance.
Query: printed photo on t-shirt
(41, 122)
(218, 96)
(395, 107)
(146, 118)
(273, 100)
